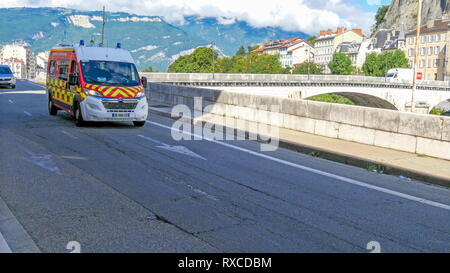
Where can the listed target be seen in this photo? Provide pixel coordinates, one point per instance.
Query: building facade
(328, 42)
(15, 53)
(433, 50)
(292, 51)
(17, 66)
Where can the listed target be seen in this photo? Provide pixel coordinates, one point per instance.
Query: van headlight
(93, 93)
(140, 94)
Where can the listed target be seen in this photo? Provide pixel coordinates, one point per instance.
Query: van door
(63, 79)
(74, 87)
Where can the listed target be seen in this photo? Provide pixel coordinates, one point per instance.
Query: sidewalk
(408, 165)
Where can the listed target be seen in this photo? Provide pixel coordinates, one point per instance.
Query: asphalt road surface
(116, 188)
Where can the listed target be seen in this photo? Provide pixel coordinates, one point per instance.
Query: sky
(308, 16)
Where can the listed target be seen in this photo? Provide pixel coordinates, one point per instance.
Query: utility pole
(213, 60)
(308, 51)
(103, 27)
(416, 57)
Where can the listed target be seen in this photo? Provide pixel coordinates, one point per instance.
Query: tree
(150, 69)
(377, 65)
(379, 17)
(251, 48)
(372, 65)
(312, 40)
(303, 68)
(200, 61)
(241, 51)
(265, 64)
(341, 64)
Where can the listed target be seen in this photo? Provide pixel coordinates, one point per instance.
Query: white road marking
(176, 149)
(69, 134)
(44, 161)
(330, 175)
(22, 92)
(10, 101)
(27, 113)
(4, 248)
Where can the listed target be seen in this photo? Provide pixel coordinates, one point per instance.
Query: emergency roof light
(81, 42)
(119, 45)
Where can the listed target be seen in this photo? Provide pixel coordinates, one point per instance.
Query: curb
(13, 237)
(339, 157)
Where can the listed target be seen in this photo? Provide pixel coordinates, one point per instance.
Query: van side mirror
(144, 82)
(74, 79)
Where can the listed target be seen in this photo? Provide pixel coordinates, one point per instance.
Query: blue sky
(308, 16)
(372, 7)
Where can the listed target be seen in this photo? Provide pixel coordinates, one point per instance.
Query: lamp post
(213, 57)
(308, 51)
(416, 57)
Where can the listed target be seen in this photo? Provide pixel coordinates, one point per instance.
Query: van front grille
(119, 105)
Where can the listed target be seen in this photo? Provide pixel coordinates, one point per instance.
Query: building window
(422, 63)
(423, 39)
(436, 63)
(437, 49)
(422, 51)
(437, 38)
(430, 51)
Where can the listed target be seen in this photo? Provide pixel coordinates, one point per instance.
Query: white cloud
(308, 16)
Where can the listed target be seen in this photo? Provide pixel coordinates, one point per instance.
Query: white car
(7, 77)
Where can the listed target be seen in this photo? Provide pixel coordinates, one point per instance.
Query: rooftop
(432, 27)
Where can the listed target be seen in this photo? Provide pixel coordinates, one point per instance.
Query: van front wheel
(79, 121)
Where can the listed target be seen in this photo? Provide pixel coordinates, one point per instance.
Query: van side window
(52, 68)
(64, 70)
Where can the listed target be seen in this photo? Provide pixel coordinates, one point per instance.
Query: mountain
(151, 40)
(405, 11)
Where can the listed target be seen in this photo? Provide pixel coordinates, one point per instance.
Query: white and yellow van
(96, 84)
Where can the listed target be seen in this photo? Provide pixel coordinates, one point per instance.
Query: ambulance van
(96, 84)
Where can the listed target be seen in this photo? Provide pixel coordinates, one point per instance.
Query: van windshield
(110, 73)
(5, 70)
(390, 75)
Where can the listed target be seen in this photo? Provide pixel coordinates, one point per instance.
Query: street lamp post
(416, 57)
(309, 62)
(213, 60)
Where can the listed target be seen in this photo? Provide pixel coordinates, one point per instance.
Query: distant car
(7, 77)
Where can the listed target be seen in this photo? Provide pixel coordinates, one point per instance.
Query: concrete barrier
(415, 133)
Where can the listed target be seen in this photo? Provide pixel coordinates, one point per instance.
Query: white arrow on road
(43, 161)
(176, 149)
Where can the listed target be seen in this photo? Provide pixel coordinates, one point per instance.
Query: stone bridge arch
(369, 97)
(445, 105)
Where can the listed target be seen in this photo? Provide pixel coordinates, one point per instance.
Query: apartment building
(328, 41)
(433, 49)
(20, 53)
(292, 51)
(17, 66)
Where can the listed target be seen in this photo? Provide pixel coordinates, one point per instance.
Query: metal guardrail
(208, 79)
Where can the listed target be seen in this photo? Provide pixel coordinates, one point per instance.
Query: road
(117, 188)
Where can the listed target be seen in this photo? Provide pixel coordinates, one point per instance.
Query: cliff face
(405, 11)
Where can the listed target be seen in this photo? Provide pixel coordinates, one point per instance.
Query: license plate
(120, 115)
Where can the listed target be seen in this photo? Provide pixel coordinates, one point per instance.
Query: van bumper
(102, 109)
